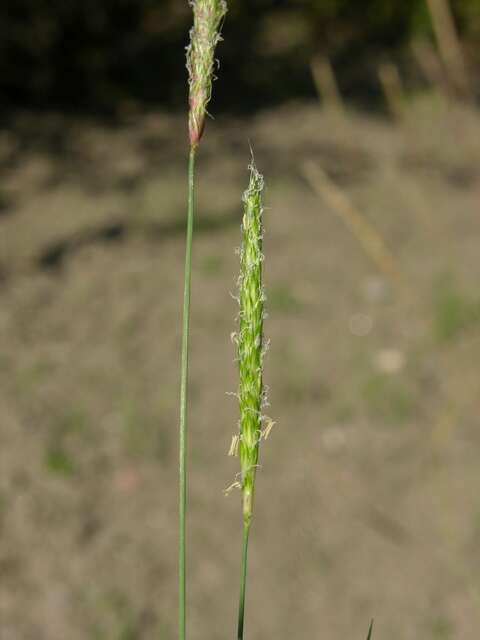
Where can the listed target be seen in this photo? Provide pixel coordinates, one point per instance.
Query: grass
(67, 431)
(250, 352)
(204, 36)
(59, 461)
(455, 311)
(182, 467)
(388, 398)
(119, 618)
(442, 629)
(73, 328)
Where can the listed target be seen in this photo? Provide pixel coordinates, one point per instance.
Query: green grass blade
(370, 631)
(243, 582)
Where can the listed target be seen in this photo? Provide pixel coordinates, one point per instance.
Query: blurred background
(364, 120)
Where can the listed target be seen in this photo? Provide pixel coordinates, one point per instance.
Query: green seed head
(250, 339)
(204, 36)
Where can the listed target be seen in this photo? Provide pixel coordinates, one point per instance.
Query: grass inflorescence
(253, 426)
(250, 344)
(204, 36)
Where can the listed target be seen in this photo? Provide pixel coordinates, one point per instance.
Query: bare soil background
(368, 498)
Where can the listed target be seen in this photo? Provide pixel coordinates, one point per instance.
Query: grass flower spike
(250, 351)
(204, 37)
(250, 339)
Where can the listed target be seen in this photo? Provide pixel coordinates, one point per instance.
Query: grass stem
(182, 500)
(243, 579)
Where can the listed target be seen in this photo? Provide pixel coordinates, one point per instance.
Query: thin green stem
(243, 579)
(182, 499)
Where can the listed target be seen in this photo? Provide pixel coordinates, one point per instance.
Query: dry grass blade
(429, 64)
(326, 84)
(450, 47)
(368, 237)
(391, 82)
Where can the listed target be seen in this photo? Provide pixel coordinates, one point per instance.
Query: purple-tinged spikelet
(204, 36)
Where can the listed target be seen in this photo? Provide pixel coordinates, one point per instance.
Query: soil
(367, 501)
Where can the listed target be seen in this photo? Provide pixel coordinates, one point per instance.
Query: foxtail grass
(253, 426)
(204, 36)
